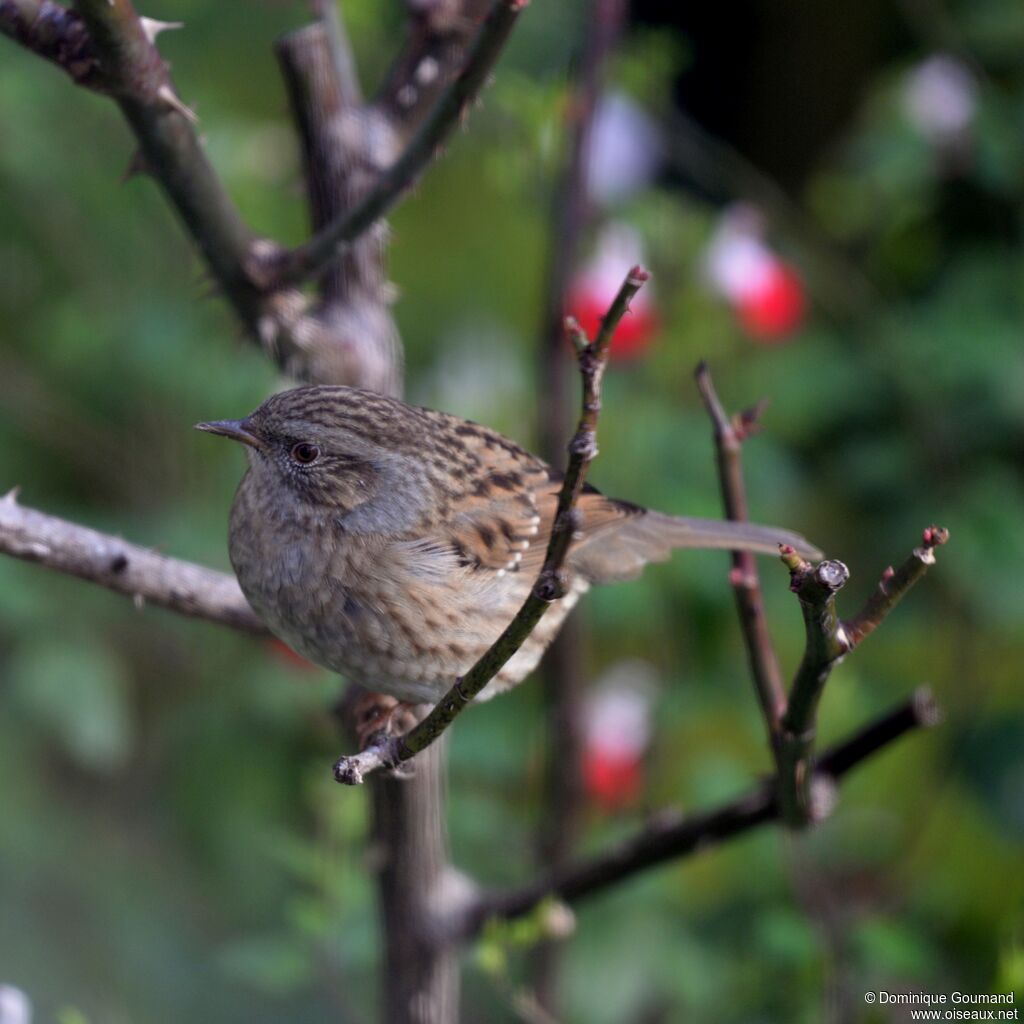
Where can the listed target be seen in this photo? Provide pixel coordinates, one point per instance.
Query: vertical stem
(354, 306)
(420, 981)
(746, 583)
(562, 669)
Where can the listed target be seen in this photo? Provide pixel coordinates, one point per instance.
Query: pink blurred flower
(766, 293)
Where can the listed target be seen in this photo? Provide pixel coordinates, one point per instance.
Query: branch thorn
(168, 96)
(151, 27)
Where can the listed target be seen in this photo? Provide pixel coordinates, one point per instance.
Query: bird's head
(327, 447)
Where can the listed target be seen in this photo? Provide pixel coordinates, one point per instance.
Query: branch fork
(105, 45)
(804, 792)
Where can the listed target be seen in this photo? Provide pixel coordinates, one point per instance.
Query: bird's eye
(304, 453)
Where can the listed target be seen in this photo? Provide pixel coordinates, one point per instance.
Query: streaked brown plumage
(393, 543)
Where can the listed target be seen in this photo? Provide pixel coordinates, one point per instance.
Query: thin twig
(729, 434)
(277, 267)
(126, 568)
(893, 585)
(672, 835)
(354, 303)
(552, 581)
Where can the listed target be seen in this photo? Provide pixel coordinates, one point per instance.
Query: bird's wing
(506, 527)
(505, 507)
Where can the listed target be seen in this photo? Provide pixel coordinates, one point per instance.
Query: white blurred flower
(15, 1007)
(617, 714)
(940, 98)
(625, 149)
(737, 260)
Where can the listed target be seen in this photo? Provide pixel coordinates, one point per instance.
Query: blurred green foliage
(171, 844)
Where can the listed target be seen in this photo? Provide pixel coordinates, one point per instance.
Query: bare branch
(105, 45)
(893, 585)
(816, 586)
(729, 434)
(354, 305)
(342, 59)
(136, 76)
(672, 835)
(280, 267)
(125, 568)
(551, 582)
(828, 641)
(439, 33)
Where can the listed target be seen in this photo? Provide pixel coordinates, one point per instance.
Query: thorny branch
(106, 46)
(552, 582)
(277, 267)
(52, 32)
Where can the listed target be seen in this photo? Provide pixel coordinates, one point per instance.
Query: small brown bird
(393, 544)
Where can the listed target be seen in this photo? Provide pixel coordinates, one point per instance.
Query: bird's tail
(620, 553)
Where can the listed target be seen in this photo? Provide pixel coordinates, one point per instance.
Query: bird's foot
(378, 718)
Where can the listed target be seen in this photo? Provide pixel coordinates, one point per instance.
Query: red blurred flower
(612, 780)
(588, 303)
(776, 307)
(596, 285)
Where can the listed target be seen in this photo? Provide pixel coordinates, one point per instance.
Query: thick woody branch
(355, 297)
(136, 572)
(729, 434)
(828, 640)
(552, 581)
(280, 267)
(816, 586)
(672, 835)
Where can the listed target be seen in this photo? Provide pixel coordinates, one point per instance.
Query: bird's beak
(237, 430)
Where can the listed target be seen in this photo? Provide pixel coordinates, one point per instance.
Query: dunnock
(393, 543)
